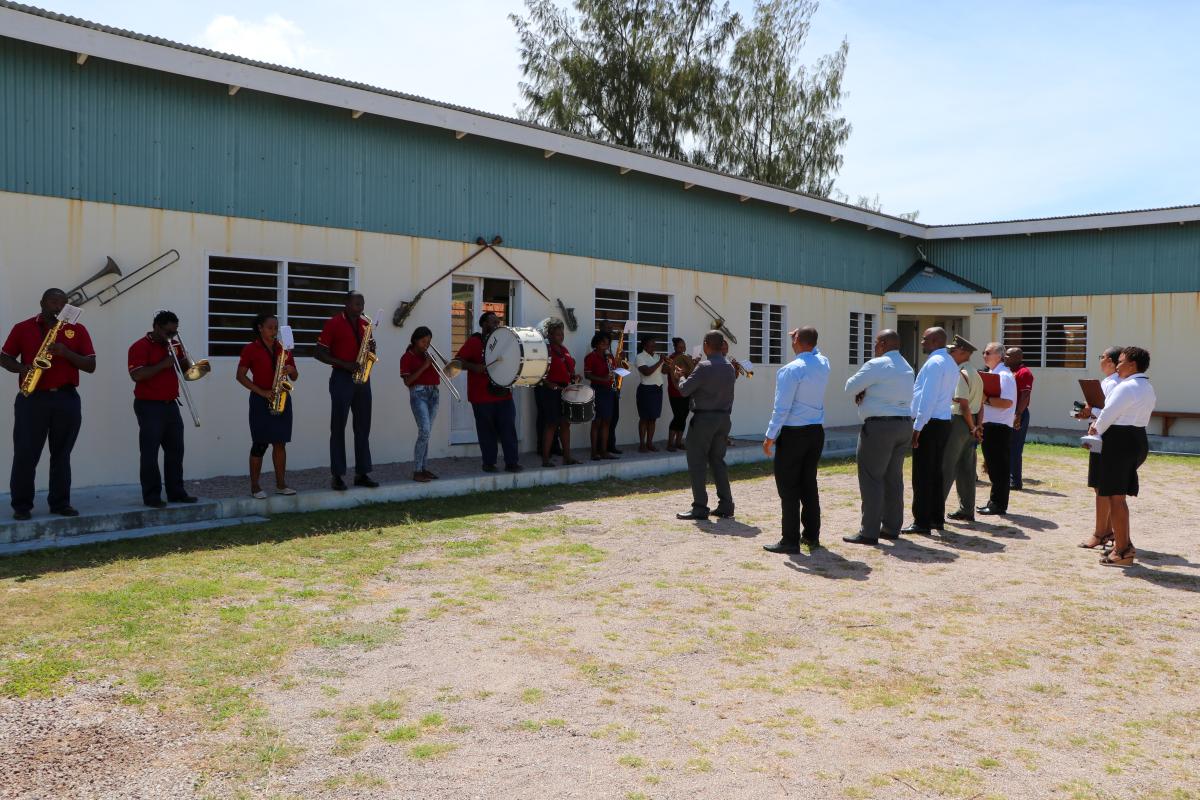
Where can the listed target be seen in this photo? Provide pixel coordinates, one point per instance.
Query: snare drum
(578, 403)
(516, 357)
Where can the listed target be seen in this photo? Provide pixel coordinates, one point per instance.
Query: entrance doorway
(912, 328)
(470, 298)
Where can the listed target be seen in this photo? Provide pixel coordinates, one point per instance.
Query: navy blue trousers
(41, 417)
(1016, 457)
(160, 427)
(496, 422)
(345, 398)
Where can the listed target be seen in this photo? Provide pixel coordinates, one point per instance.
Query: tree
(775, 120)
(636, 73)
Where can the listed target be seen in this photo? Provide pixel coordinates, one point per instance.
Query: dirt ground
(602, 649)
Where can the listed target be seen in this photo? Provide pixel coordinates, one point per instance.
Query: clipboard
(1092, 393)
(991, 383)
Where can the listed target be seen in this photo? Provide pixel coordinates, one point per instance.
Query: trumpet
(195, 371)
(446, 370)
(741, 370)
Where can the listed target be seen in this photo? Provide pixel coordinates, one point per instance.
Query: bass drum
(578, 403)
(517, 357)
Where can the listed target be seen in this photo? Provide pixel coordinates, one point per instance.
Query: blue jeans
(424, 403)
(1018, 450)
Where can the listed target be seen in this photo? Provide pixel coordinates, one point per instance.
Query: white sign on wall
(989, 309)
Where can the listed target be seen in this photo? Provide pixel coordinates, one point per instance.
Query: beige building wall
(52, 242)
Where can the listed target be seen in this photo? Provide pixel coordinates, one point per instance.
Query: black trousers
(496, 424)
(679, 413)
(612, 423)
(345, 398)
(997, 455)
(41, 417)
(160, 427)
(797, 454)
(929, 500)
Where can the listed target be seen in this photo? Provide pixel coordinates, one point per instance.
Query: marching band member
(1103, 532)
(52, 410)
(548, 395)
(153, 362)
(598, 368)
(679, 403)
(616, 359)
(649, 393)
(495, 412)
(424, 393)
(338, 346)
(256, 371)
(710, 390)
(1122, 426)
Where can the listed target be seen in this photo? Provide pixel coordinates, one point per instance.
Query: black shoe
(22, 515)
(782, 546)
(365, 480)
(489, 468)
(615, 451)
(1015, 487)
(991, 511)
(339, 485)
(723, 513)
(65, 511)
(513, 468)
(693, 514)
(156, 502)
(859, 539)
(891, 537)
(961, 516)
(183, 498)
(811, 544)
(915, 528)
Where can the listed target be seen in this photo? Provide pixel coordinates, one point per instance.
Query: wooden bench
(1169, 417)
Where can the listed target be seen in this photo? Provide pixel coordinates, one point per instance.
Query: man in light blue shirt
(796, 432)
(883, 389)
(933, 394)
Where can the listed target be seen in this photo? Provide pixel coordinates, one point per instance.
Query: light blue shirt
(888, 383)
(934, 390)
(800, 392)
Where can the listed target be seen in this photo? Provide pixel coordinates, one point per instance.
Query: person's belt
(801, 427)
(711, 410)
(886, 419)
(67, 388)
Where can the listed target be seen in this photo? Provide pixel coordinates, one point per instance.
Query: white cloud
(275, 39)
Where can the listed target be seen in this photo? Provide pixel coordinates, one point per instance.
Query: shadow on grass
(905, 549)
(715, 526)
(1164, 578)
(999, 531)
(824, 563)
(976, 544)
(1032, 523)
(286, 527)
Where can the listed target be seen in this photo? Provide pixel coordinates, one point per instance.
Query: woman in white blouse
(1122, 425)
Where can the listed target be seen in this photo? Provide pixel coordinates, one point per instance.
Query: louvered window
(1051, 341)
(766, 333)
(862, 337)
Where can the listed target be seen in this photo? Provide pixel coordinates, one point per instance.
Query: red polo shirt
(164, 386)
(562, 365)
(25, 339)
(260, 363)
(1024, 378)
(477, 382)
(340, 338)
(410, 362)
(597, 364)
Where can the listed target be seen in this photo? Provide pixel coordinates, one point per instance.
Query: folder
(991, 383)
(1092, 392)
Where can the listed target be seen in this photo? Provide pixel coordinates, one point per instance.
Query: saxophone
(280, 386)
(41, 361)
(366, 359)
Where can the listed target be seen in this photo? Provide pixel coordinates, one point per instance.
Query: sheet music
(286, 338)
(70, 314)
(629, 326)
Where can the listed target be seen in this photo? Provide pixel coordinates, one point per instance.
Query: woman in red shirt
(423, 382)
(548, 395)
(259, 359)
(598, 370)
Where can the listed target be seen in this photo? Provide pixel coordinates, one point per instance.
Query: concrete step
(131, 533)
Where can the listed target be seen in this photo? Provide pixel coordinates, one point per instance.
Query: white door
(470, 297)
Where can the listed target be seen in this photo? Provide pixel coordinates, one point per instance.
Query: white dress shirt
(1129, 404)
(1008, 391)
(799, 393)
(888, 383)
(934, 390)
(644, 359)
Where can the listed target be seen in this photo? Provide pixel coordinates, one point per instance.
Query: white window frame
(281, 287)
(784, 341)
(866, 347)
(1087, 344)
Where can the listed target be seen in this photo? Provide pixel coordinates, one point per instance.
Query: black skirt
(549, 404)
(649, 402)
(265, 427)
(1125, 449)
(1093, 470)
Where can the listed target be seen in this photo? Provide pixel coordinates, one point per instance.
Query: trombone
(446, 370)
(195, 372)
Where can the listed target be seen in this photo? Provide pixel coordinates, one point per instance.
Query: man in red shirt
(155, 402)
(52, 411)
(1014, 359)
(338, 346)
(495, 413)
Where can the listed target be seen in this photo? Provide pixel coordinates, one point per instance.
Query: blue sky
(966, 111)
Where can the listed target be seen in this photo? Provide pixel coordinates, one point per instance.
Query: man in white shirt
(883, 389)
(1122, 425)
(999, 410)
(932, 394)
(1103, 532)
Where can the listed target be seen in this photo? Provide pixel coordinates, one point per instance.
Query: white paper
(70, 314)
(1093, 443)
(746, 365)
(286, 338)
(629, 326)
(378, 316)
(622, 372)
(698, 352)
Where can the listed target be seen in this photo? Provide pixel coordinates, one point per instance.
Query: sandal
(569, 461)
(1115, 559)
(429, 475)
(1096, 541)
(547, 462)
